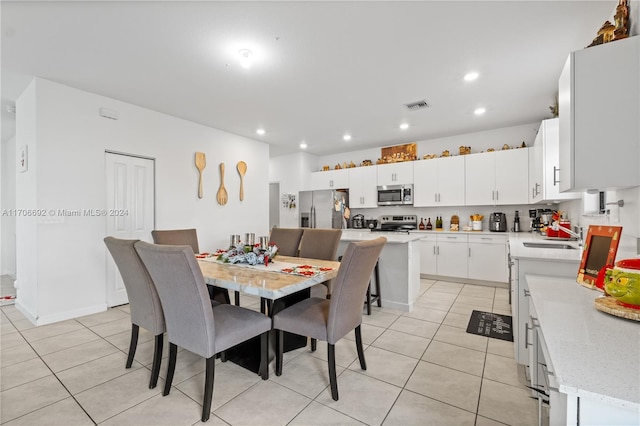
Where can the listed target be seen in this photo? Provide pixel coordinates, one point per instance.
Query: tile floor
(423, 369)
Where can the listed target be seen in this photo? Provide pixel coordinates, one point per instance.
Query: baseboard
(465, 281)
(61, 316)
(398, 306)
(26, 312)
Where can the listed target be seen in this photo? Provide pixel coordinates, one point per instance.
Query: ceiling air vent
(415, 106)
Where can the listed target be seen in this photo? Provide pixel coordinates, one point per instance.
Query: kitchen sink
(550, 245)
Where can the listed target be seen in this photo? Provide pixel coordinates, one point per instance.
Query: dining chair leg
(363, 363)
(368, 301)
(173, 351)
(263, 305)
(223, 356)
(208, 387)
(157, 359)
(333, 380)
(264, 355)
(314, 344)
(133, 344)
(236, 296)
(279, 350)
(376, 272)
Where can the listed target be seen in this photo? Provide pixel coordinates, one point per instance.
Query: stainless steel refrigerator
(324, 208)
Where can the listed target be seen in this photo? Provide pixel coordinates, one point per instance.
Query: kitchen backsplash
(463, 213)
(626, 216)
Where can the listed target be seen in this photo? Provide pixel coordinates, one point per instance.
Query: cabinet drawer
(428, 237)
(452, 238)
(488, 239)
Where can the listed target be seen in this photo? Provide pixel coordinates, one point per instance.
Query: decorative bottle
(421, 226)
(429, 225)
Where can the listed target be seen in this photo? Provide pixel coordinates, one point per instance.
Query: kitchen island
(399, 266)
(591, 357)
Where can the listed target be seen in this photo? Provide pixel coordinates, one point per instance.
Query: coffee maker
(516, 222)
(534, 221)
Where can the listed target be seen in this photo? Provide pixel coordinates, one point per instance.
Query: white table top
(263, 283)
(593, 354)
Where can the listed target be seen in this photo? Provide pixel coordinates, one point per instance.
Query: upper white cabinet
(362, 187)
(332, 179)
(497, 178)
(439, 182)
(544, 165)
(395, 173)
(599, 101)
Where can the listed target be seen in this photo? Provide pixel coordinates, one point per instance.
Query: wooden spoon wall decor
(201, 163)
(222, 196)
(242, 169)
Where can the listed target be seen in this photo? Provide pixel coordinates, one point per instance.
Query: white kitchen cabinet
(452, 255)
(428, 255)
(395, 173)
(363, 192)
(439, 182)
(599, 106)
(487, 257)
(332, 179)
(497, 178)
(544, 170)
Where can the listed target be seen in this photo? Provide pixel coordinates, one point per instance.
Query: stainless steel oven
(391, 195)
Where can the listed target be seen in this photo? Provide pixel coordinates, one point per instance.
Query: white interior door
(130, 197)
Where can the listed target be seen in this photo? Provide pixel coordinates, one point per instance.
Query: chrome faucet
(577, 235)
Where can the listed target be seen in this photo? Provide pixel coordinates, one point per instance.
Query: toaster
(498, 222)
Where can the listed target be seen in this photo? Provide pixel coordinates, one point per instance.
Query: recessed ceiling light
(245, 58)
(479, 111)
(260, 132)
(347, 137)
(404, 126)
(303, 145)
(471, 76)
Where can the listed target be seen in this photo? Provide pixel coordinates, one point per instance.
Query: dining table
(285, 281)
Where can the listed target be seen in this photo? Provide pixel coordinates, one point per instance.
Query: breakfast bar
(399, 266)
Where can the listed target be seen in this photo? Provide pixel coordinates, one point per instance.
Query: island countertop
(593, 354)
(392, 237)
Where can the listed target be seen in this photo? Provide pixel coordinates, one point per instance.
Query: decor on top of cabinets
(600, 248)
(394, 154)
(609, 32)
(201, 163)
(464, 150)
(429, 156)
(242, 170)
(222, 197)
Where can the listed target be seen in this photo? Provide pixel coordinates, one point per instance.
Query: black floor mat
(491, 325)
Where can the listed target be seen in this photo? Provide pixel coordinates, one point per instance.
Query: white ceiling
(321, 68)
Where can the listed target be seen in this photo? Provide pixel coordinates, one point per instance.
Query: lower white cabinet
(476, 257)
(487, 257)
(452, 255)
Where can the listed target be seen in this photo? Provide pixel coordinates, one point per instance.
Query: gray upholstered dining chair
(287, 240)
(330, 320)
(144, 303)
(188, 237)
(320, 244)
(192, 322)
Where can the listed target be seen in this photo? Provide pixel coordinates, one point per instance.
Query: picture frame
(23, 159)
(600, 248)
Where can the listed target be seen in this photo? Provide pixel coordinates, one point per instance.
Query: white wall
(478, 141)
(8, 202)
(67, 142)
(293, 172)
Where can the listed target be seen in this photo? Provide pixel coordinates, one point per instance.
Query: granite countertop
(364, 235)
(518, 250)
(593, 354)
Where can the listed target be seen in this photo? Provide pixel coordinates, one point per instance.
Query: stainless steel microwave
(391, 195)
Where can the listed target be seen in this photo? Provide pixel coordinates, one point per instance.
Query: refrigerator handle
(312, 216)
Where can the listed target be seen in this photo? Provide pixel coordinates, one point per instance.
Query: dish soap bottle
(429, 225)
(421, 226)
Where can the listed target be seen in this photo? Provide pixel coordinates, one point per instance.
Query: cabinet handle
(537, 190)
(438, 250)
(555, 169)
(439, 197)
(526, 335)
(533, 193)
(435, 197)
(493, 195)
(497, 195)
(469, 251)
(527, 293)
(486, 238)
(434, 249)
